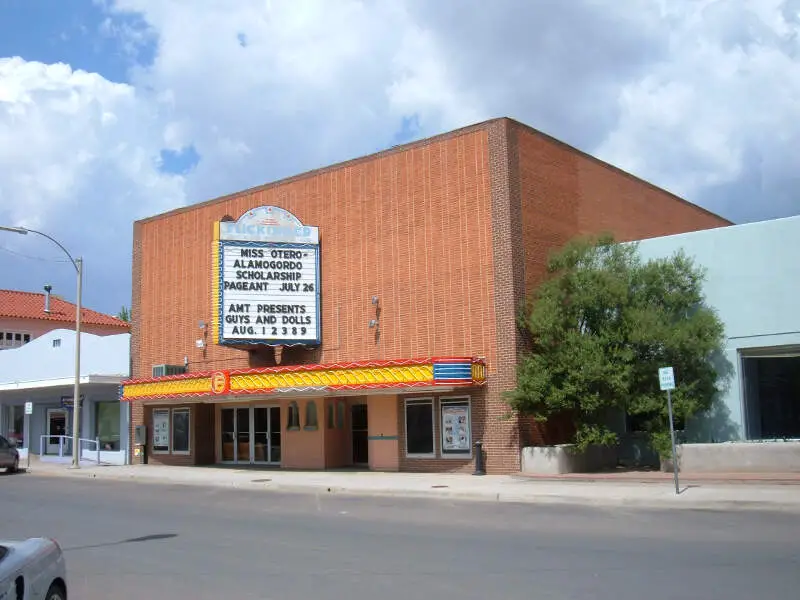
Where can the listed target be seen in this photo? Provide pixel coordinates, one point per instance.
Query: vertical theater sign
(266, 280)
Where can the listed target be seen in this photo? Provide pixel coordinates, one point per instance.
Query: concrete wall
(559, 459)
(753, 281)
(753, 457)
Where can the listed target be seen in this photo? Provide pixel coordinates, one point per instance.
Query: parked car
(32, 569)
(9, 456)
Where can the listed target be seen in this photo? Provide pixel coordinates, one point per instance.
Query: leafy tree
(124, 315)
(600, 327)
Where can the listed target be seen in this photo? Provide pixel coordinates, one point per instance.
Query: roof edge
(327, 168)
(122, 325)
(619, 170)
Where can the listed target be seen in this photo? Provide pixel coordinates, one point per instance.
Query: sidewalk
(491, 488)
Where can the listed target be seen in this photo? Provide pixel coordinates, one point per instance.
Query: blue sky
(116, 110)
(69, 31)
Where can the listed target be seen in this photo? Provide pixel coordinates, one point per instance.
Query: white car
(33, 569)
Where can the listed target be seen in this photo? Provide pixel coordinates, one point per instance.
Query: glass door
(267, 434)
(250, 434)
(275, 435)
(360, 429)
(56, 427)
(261, 434)
(228, 435)
(243, 446)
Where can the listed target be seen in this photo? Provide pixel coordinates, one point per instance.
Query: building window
(293, 416)
(455, 426)
(419, 428)
(106, 428)
(13, 339)
(180, 431)
(161, 430)
(311, 416)
(771, 389)
(331, 411)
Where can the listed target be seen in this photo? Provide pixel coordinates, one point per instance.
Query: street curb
(449, 494)
(685, 479)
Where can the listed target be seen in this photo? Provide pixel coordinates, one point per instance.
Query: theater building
(363, 314)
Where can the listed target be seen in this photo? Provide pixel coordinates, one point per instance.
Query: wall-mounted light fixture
(376, 322)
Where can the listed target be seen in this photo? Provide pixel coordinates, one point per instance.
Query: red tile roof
(30, 305)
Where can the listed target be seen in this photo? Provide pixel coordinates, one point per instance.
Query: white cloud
(724, 107)
(308, 86)
(61, 133)
(77, 161)
(701, 97)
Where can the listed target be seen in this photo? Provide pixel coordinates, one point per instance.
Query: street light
(76, 399)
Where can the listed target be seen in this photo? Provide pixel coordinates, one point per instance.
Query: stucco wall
(753, 281)
(384, 450)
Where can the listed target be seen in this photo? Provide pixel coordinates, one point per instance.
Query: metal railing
(64, 443)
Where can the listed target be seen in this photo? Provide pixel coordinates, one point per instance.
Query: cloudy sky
(113, 110)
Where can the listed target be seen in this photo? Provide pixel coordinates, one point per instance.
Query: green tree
(598, 330)
(124, 315)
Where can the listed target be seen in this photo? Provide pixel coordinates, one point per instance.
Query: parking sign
(666, 378)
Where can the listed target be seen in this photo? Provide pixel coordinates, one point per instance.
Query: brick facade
(201, 445)
(450, 233)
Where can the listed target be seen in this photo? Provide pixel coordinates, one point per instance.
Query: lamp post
(76, 398)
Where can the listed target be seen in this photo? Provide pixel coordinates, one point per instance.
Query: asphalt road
(132, 541)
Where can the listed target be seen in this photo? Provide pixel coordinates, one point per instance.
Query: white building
(753, 282)
(42, 372)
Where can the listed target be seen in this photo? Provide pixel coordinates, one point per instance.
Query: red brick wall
(565, 193)
(478, 403)
(450, 233)
(201, 443)
(500, 434)
(409, 226)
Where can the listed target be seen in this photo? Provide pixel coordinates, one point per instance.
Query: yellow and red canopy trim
(355, 376)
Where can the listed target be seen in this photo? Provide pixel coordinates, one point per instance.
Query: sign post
(27, 433)
(666, 379)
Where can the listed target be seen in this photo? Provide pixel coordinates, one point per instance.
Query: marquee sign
(403, 374)
(267, 280)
